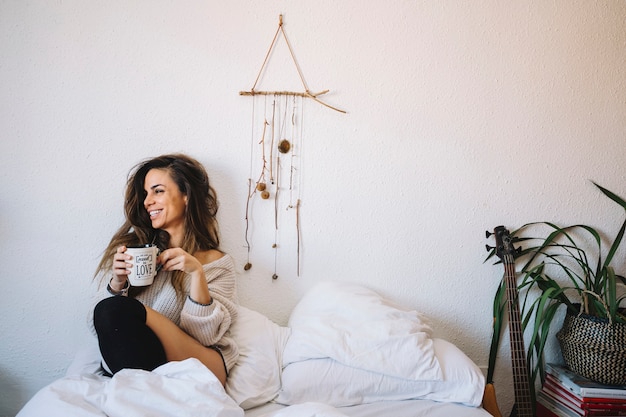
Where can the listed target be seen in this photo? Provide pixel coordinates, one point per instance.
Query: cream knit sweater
(208, 324)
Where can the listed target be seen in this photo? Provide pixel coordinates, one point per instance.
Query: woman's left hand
(176, 259)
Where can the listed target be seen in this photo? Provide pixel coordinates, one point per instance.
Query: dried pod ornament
(261, 186)
(247, 266)
(284, 146)
(265, 194)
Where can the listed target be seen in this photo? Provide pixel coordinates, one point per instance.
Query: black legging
(124, 338)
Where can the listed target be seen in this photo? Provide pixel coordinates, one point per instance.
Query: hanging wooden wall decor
(276, 149)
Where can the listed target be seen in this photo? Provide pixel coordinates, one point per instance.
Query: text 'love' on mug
(144, 262)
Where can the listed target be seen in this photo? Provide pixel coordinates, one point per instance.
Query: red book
(543, 411)
(583, 387)
(554, 386)
(553, 408)
(554, 395)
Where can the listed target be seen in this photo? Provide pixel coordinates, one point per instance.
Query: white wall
(461, 116)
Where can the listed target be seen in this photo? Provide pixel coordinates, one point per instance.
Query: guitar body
(521, 382)
(489, 401)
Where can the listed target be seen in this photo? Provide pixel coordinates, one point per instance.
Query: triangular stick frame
(306, 93)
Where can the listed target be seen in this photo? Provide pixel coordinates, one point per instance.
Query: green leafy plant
(568, 267)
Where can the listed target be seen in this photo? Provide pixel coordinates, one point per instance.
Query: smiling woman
(188, 309)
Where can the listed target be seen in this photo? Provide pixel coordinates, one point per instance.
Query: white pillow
(330, 382)
(357, 327)
(255, 378)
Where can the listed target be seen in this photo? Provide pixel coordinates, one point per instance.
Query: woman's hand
(176, 259)
(120, 268)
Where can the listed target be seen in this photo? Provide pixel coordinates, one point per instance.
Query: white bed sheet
(407, 408)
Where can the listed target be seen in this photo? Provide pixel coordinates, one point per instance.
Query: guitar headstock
(504, 248)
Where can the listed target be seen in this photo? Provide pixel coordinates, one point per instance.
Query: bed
(346, 351)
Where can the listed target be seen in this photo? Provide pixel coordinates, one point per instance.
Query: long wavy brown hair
(201, 229)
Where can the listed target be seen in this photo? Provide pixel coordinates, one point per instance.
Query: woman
(187, 311)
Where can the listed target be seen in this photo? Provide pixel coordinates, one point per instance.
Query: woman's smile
(154, 213)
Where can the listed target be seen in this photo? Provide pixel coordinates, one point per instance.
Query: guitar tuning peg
(489, 248)
(488, 234)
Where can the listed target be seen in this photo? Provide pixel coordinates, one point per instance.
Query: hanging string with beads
(248, 265)
(260, 184)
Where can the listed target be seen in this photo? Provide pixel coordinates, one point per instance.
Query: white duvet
(176, 389)
(345, 346)
(310, 409)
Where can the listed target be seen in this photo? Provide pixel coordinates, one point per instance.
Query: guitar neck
(521, 385)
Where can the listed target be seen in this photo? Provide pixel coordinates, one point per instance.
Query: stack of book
(566, 394)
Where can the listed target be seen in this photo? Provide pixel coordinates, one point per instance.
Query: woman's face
(164, 202)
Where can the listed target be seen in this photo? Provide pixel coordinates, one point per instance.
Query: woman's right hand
(121, 266)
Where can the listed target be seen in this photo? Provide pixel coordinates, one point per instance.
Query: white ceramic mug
(144, 262)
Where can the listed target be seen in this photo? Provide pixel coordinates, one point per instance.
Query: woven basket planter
(594, 348)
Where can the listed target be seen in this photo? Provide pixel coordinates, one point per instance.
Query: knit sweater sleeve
(209, 323)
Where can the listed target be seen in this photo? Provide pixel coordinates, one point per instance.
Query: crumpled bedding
(357, 327)
(343, 327)
(309, 409)
(177, 389)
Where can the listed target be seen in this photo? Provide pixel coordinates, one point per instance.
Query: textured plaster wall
(461, 116)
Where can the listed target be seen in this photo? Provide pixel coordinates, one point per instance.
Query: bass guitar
(505, 250)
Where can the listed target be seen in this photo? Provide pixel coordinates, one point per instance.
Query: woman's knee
(124, 338)
(116, 311)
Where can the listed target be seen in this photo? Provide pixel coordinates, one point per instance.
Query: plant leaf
(611, 195)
